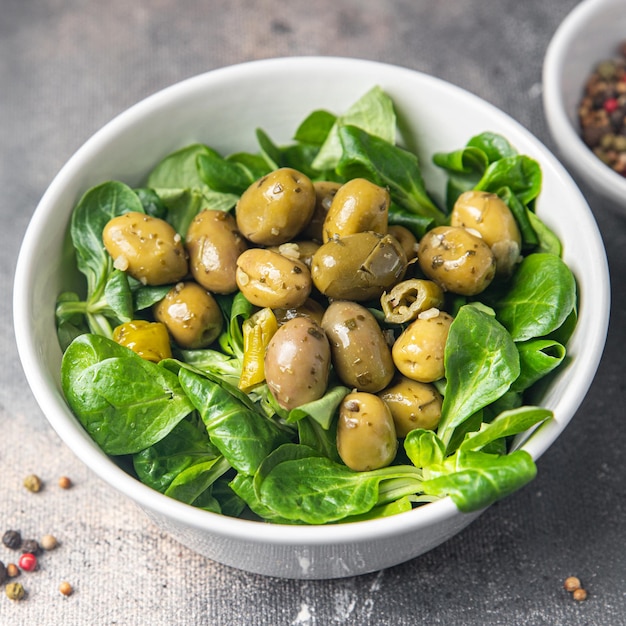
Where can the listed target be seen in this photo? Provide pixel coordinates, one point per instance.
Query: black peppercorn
(3, 573)
(32, 546)
(12, 539)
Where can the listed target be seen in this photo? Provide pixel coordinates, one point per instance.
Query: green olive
(361, 356)
(325, 191)
(487, 214)
(269, 279)
(457, 260)
(418, 352)
(311, 309)
(358, 206)
(366, 435)
(406, 239)
(297, 363)
(275, 208)
(191, 314)
(146, 247)
(301, 250)
(412, 405)
(214, 244)
(358, 267)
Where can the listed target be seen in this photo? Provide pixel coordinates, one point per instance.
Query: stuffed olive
(358, 267)
(270, 279)
(487, 214)
(275, 208)
(366, 434)
(145, 247)
(191, 314)
(412, 405)
(358, 206)
(418, 352)
(457, 260)
(214, 244)
(297, 363)
(360, 354)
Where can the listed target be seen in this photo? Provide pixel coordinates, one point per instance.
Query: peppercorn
(3, 572)
(65, 588)
(579, 595)
(15, 591)
(12, 539)
(32, 546)
(571, 583)
(33, 483)
(48, 542)
(27, 562)
(13, 570)
(65, 482)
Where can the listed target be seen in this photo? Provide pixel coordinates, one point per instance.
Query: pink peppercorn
(610, 105)
(27, 562)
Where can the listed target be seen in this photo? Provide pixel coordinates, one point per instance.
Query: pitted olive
(325, 191)
(457, 260)
(358, 206)
(406, 239)
(311, 309)
(297, 363)
(300, 250)
(412, 405)
(418, 352)
(269, 279)
(360, 354)
(488, 214)
(146, 247)
(191, 314)
(358, 267)
(275, 208)
(214, 244)
(366, 435)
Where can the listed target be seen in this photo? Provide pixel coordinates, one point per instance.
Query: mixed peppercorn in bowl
(584, 95)
(303, 538)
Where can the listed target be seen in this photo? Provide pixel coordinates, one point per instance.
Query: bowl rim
(565, 134)
(71, 432)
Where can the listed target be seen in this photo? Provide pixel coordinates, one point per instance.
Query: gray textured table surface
(69, 66)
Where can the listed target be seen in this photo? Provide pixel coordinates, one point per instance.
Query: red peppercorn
(610, 104)
(27, 562)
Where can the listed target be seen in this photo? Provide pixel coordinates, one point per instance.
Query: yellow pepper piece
(257, 332)
(150, 340)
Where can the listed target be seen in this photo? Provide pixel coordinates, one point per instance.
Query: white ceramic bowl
(223, 108)
(588, 35)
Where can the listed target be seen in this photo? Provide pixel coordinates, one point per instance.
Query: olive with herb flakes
(146, 247)
(270, 279)
(360, 353)
(297, 363)
(275, 208)
(457, 260)
(366, 435)
(191, 314)
(214, 243)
